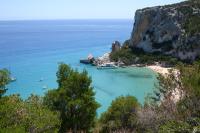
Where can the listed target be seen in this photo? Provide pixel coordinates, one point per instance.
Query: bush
(17, 115)
(4, 80)
(175, 127)
(120, 116)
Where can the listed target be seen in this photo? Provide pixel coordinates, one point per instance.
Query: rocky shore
(116, 46)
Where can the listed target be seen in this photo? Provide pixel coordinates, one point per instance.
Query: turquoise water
(31, 50)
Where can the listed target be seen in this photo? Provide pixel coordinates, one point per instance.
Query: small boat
(44, 87)
(107, 66)
(42, 79)
(13, 79)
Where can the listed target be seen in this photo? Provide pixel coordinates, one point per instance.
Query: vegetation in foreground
(69, 108)
(74, 99)
(121, 116)
(72, 106)
(161, 113)
(17, 115)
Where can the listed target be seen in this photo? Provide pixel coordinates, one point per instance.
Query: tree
(4, 80)
(74, 99)
(120, 116)
(17, 115)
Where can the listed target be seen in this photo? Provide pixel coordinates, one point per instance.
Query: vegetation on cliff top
(191, 12)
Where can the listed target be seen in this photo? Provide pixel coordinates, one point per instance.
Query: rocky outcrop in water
(171, 30)
(116, 46)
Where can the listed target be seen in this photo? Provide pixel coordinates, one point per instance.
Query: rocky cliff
(171, 29)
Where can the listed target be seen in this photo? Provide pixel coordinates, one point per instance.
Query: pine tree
(74, 98)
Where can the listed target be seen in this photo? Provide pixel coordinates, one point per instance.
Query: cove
(32, 50)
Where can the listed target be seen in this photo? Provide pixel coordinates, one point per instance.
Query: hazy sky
(74, 9)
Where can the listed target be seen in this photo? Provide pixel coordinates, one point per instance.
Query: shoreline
(156, 67)
(159, 69)
(175, 94)
(104, 59)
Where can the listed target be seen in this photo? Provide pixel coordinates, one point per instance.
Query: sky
(74, 9)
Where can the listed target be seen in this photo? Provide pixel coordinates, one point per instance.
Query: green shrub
(121, 115)
(175, 127)
(4, 80)
(192, 25)
(17, 115)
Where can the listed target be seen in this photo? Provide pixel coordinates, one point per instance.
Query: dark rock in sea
(87, 61)
(171, 30)
(90, 60)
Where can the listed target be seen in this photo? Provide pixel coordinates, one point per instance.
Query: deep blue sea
(32, 50)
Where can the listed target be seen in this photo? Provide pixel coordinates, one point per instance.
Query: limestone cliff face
(172, 30)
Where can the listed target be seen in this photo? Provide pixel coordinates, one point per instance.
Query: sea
(32, 51)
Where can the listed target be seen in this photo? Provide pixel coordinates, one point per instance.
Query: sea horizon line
(66, 19)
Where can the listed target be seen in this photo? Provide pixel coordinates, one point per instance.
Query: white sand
(159, 69)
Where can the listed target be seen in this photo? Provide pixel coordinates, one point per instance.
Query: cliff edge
(171, 30)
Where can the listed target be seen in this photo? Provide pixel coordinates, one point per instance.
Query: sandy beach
(159, 69)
